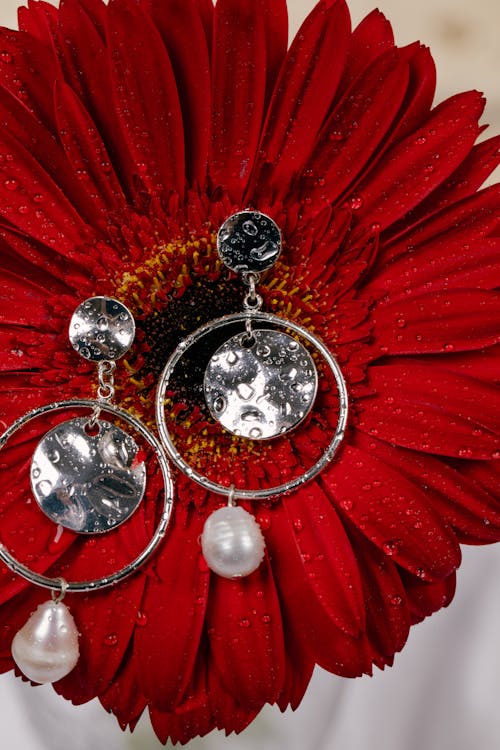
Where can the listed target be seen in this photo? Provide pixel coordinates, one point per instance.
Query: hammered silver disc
(88, 483)
(249, 242)
(102, 329)
(262, 390)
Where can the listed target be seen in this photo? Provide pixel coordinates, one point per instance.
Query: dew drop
(395, 600)
(111, 639)
(11, 184)
(219, 404)
(250, 228)
(391, 547)
(263, 350)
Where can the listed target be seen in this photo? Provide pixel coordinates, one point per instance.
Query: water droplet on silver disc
(263, 390)
(88, 483)
(102, 329)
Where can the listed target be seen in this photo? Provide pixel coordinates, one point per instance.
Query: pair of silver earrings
(87, 473)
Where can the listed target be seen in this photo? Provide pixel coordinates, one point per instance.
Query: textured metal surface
(88, 483)
(229, 321)
(261, 387)
(249, 242)
(102, 329)
(58, 584)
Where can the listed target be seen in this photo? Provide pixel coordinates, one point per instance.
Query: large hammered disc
(88, 483)
(262, 390)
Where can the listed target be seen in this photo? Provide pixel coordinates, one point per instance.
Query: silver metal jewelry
(261, 383)
(229, 321)
(86, 475)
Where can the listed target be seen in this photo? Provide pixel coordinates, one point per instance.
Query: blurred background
(444, 690)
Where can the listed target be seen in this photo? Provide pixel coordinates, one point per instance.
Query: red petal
(467, 221)
(486, 475)
(420, 93)
(122, 698)
(173, 613)
(392, 513)
(356, 128)
(146, 97)
(86, 152)
(228, 712)
(442, 264)
(432, 411)
(466, 180)
(370, 39)
(22, 254)
(239, 55)
(22, 302)
(316, 635)
(471, 511)
(246, 637)
(415, 167)
(426, 598)
(192, 717)
(329, 562)
(303, 95)
(482, 365)
(275, 14)
(437, 321)
(180, 23)
(35, 20)
(81, 43)
(388, 620)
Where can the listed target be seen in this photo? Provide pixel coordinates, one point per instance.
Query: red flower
(129, 133)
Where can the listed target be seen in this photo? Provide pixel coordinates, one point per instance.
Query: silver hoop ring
(56, 584)
(228, 491)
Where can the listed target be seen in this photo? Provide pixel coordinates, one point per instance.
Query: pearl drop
(46, 647)
(232, 542)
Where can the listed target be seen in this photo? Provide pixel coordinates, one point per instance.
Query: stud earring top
(102, 329)
(249, 242)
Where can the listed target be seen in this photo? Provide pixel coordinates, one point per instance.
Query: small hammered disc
(87, 483)
(263, 390)
(249, 242)
(102, 329)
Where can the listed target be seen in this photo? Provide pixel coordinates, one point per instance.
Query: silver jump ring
(58, 595)
(221, 489)
(57, 584)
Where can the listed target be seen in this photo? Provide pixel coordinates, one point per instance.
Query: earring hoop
(63, 586)
(246, 494)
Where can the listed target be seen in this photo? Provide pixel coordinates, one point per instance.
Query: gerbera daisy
(129, 133)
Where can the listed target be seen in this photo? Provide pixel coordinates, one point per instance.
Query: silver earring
(87, 476)
(260, 384)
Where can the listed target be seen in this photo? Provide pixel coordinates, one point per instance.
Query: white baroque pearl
(232, 542)
(46, 648)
